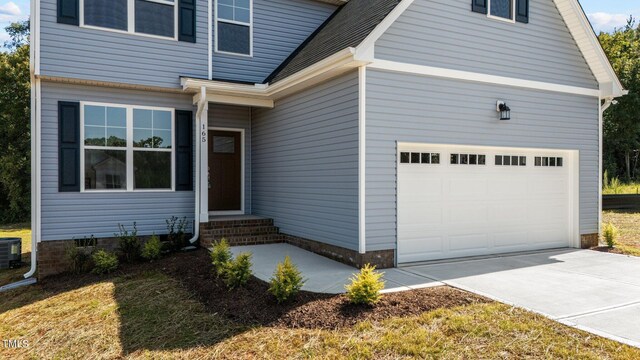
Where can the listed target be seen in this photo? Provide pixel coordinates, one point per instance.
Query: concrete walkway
(593, 291)
(321, 274)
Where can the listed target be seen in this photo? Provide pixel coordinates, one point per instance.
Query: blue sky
(605, 15)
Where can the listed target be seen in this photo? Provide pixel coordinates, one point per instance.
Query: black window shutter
(69, 12)
(479, 6)
(187, 20)
(522, 11)
(68, 146)
(184, 150)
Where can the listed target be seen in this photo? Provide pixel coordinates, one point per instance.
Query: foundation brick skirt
(52, 255)
(587, 241)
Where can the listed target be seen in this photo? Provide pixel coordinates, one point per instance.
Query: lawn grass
(622, 189)
(149, 315)
(628, 224)
(21, 231)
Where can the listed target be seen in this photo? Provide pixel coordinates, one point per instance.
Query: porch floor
(323, 275)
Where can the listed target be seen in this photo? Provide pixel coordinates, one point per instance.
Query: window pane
(415, 158)
(233, 38)
(506, 160)
(94, 136)
(426, 158)
(116, 137)
(514, 161)
(523, 161)
(94, 115)
(435, 158)
(225, 12)
(154, 18)
(545, 161)
(161, 120)
(142, 118)
(105, 169)
(473, 159)
(498, 159)
(552, 161)
(242, 3)
(454, 159)
(559, 161)
(464, 159)
(538, 161)
(111, 14)
(152, 170)
(224, 144)
(404, 158)
(501, 8)
(143, 138)
(162, 139)
(226, 2)
(117, 117)
(242, 15)
(482, 159)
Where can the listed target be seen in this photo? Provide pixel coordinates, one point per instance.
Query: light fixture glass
(504, 110)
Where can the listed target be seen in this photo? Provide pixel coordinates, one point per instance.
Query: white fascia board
(478, 77)
(333, 65)
(365, 51)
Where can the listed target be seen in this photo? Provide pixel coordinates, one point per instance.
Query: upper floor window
(234, 26)
(149, 17)
(502, 9)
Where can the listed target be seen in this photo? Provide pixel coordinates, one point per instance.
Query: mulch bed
(607, 249)
(253, 305)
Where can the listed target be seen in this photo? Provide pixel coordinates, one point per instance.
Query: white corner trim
(365, 51)
(362, 151)
(478, 77)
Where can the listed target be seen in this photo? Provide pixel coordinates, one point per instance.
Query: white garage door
(469, 201)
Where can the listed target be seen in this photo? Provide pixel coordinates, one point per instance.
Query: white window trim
(215, 30)
(131, 20)
(129, 148)
(513, 13)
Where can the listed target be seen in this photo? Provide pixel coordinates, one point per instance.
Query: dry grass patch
(149, 315)
(628, 223)
(21, 231)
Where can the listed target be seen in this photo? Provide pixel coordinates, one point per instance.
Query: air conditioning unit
(10, 253)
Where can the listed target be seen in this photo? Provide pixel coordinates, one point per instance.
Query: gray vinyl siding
(75, 215)
(102, 55)
(305, 163)
(447, 34)
(237, 117)
(409, 108)
(279, 27)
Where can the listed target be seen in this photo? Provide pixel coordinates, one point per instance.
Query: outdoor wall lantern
(504, 110)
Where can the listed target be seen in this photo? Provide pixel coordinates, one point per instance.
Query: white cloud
(607, 22)
(11, 9)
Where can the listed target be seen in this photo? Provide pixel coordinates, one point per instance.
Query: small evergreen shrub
(221, 256)
(151, 249)
(286, 281)
(610, 234)
(79, 254)
(365, 286)
(128, 243)
(104, 262)
(238, 271)
(176, 234)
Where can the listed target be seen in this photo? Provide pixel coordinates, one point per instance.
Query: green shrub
(128, 243)
(104, 262)
(151, 249)
(177, 236)
(610, 234)
(220, 256)
(286, 281)
(79, 254)
(238, 271)
(365, 286)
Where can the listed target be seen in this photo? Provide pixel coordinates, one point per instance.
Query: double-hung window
(148, 17)
(502, 9)
(127, 147)
(234, 27)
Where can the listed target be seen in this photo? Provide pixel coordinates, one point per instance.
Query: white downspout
(603, 107)
(202, 103)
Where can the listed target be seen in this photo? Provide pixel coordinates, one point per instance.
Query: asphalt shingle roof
(347, 27)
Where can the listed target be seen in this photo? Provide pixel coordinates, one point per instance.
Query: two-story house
(380, 131)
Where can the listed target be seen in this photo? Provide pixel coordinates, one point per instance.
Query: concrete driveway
(593, 291)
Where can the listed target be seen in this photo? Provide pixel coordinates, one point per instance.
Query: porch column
(204, 164)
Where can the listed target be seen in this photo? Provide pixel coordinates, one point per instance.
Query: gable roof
(347, 27)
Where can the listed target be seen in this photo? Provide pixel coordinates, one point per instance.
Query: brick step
(244, 240)
(225, 224)
(241, 230)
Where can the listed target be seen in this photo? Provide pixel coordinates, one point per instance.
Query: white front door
(468, 201)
